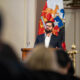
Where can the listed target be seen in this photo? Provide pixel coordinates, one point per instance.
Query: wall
(13, 11)
(31, 23)
(20, 23)
(72, 31)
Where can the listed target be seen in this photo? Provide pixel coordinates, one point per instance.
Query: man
(49, 39)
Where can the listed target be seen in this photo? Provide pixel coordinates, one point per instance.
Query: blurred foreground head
(41, 59)
(64, 61)
(9, 62)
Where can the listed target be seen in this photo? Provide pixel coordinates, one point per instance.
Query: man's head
(64, 62)
(49, 26)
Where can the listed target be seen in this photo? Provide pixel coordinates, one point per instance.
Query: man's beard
(48, 31)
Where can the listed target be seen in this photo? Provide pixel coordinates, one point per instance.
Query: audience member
(45, 65)
(10, 66)
(64, 61)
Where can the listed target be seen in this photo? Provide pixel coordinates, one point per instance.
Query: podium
(25, 52)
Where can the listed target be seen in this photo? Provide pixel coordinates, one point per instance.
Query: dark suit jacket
(54, 42)
(51, 75)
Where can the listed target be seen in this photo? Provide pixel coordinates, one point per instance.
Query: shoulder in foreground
(76, 78)
(5, 45)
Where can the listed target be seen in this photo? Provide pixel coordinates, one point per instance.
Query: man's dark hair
(63, 59)
(50, 22)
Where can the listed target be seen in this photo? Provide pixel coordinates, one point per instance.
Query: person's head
(9, 59)
(41, 58)
(49, 26)
(64, 61)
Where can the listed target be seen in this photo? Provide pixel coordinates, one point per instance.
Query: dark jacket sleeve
(36, 41)
(59, 43)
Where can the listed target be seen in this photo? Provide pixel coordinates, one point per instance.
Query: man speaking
(48, 38)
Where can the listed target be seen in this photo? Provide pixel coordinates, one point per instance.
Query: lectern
(25, 52)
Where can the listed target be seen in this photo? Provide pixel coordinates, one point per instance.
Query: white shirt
(47, 40)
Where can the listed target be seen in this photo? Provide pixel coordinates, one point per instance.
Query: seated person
(64, 60)
(45, 65)
(48, 38)
(11, 67)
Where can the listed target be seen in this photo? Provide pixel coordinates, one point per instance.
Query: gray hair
(41, 58)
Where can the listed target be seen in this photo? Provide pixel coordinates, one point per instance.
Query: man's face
(48, 28)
